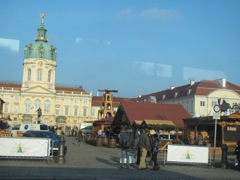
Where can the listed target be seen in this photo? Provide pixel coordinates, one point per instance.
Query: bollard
(61, 157)
(224, 161)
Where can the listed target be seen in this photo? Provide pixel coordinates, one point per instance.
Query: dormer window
(189, 91)
(175, 94)
(163, 96)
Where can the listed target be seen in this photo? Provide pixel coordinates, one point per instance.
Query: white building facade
(199, 98)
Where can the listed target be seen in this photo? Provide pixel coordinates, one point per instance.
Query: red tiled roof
(72, 89)
(203, 87)
(140, 111)
(10, 85)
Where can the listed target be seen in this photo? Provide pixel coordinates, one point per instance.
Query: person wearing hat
(145, 146)
(154, 150)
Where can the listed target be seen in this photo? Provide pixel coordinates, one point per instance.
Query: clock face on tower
(216, 108)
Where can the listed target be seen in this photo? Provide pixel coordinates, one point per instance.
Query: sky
(134, 46)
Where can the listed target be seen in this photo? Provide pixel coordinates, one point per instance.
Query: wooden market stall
(228, 130)
(103, 124)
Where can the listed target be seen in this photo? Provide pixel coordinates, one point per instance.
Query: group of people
(144, 143)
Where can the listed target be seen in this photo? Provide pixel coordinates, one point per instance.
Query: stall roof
(158, 122)
(139, 110)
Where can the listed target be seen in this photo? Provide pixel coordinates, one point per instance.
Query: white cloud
(161, 14)
(11, 44)
(78, 39)
(145, 67)
(125, 13)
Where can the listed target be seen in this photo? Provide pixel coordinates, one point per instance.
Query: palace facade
(59, 105)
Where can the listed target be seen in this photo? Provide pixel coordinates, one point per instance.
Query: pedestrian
(154, 150)
(80, 137)
(237, 152)
(137, 137)
(59, 132)
(125, 141)
(144, 145)
(149, 153)
(99, 132)
(200, 139)
(72, 131)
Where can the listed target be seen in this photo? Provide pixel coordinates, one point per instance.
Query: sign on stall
(25, 147)
(187, 154)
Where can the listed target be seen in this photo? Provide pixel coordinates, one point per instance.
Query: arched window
(29, 75)
(39, 75)
(28, 105)
(37, 104)
(47, 107)
(15, 108)
(84, 111)
(66, 110)
(6, 107)
(75, 110)
(58, 110)
(49, 75)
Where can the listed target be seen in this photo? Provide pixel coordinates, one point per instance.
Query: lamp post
(216, 116)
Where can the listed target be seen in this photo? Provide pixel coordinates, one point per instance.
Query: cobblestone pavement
(84, 161)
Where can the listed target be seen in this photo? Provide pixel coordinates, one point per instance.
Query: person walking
(137, 137)
(144, 145)
(154, 150)
(125, 141)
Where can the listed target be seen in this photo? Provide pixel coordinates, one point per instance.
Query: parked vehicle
(4, 125)
(25, 127)
(47, 134)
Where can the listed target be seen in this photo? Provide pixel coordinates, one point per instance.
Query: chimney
(192, 82)
(222, 81)
(172, 87)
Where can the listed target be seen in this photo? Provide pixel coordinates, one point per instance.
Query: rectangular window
(15, 108)
(92, 113)
(66, 110)
(57, 111)
(75, 111)
(84, 111)
(202, 103)
(202, 107)
(6, 105)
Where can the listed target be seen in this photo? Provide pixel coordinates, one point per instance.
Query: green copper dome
(40, 48)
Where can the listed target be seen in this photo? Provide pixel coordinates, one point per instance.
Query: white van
(26, 127)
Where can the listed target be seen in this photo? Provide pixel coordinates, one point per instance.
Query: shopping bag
(236, 161)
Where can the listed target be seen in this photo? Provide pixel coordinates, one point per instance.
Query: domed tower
(39, 62)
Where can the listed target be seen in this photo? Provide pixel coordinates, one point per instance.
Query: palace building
(59, 105)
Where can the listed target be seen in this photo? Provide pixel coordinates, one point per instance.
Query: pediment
(38, 89)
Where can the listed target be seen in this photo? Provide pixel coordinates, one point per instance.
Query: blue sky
(133, 46)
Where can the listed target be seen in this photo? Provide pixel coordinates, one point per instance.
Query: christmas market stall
(227, 132)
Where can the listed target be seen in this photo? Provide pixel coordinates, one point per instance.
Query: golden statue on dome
(42, 16)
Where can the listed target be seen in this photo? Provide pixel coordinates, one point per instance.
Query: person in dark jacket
(125, 141)
(154, 150)
(139, 132)
(144, 145)
(237, 152)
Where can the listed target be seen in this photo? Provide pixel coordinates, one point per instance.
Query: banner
(25, 147)
(188, 154)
